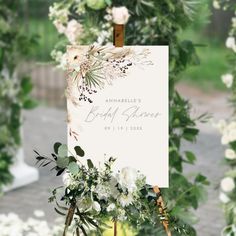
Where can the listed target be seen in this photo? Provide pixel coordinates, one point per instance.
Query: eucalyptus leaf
(90, 164)
(73, 168)
(62, 162)
(56, 147)
(63, 150)
(79, 151)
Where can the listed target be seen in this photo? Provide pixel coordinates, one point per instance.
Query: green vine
(14, 90)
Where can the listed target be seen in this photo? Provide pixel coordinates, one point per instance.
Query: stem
(115, 228)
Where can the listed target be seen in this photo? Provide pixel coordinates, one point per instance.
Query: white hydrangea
(120, 15)
(73, 31)
(227, 184)
(59, 26)
(228, 79)
(230, 154)
(58, 13)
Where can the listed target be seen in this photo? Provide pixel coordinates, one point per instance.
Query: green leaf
(190, 134)
(63, 150)
(56, 147)
(90, 164)
(201, 179)
(26, 85)
(29, 104)
(191, 158)
(73, 168)
(79, 151)
(62, 162)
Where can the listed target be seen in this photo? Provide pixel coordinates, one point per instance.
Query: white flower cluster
(228, 131)
(119, 192)
(12, 225)
(72, 29)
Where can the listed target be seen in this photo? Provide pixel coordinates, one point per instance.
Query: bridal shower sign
(118, 106)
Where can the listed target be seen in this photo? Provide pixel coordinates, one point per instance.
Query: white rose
(230, 154)
(120, 15)
(216, 4)
(96, 206)
(227, 184)
(67, 180)
(111, 207)
(224, 198)
(73, 30)
(232, 135)
(127, 178)
(230, 43)
(227, 79)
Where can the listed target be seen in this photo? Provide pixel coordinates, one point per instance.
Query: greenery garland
(14, 91)
(228, 129)
(93, 196)
(149, 22)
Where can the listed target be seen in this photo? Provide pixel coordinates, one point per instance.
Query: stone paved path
(43, 126)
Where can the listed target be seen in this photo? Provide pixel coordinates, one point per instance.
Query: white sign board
(128, 118)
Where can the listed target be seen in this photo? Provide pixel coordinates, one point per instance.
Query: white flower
(230, 154)
(232, 135)
(127, 178)
(111, 207)
(102, 192)
(39, 213)
(121, 215)
(125, 200)
(120, 15)
(96, 206)
(73, 30)
(227, 184)
(59, 26)
(216, 4)
(67, 179)
(230, 43)
(227, 79)
(221, 125)
(224, 198)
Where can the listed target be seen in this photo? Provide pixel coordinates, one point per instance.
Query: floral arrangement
(14, 89)
(87, 21)
(92, 195)
(228, 130)
(91, 68)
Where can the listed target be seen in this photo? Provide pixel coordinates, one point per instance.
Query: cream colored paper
(128, 119)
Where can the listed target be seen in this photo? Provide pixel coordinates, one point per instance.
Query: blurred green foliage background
(207, 31)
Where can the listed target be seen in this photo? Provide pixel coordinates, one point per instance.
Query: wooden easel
(118, 41)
